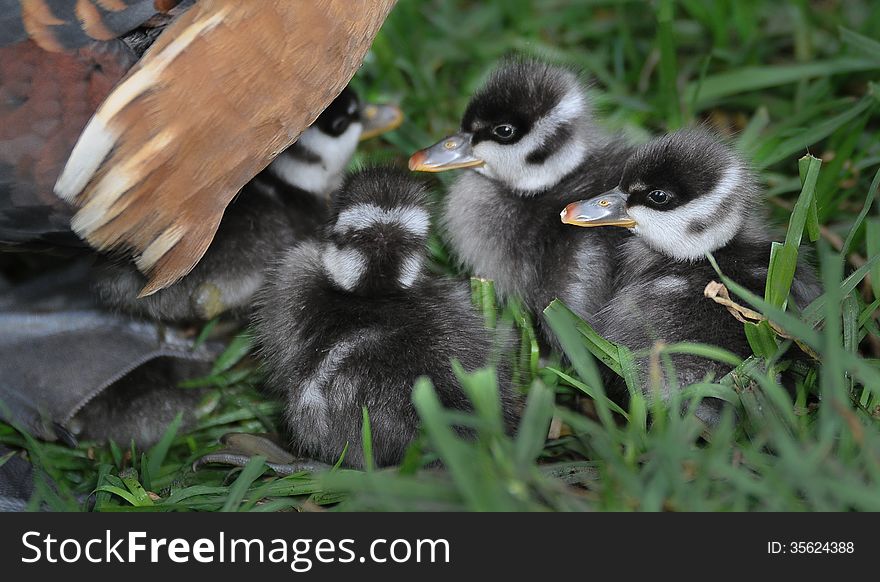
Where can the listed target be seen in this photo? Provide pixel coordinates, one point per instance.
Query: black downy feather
(331, 350)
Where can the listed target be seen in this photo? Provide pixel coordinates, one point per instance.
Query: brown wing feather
(249, 78)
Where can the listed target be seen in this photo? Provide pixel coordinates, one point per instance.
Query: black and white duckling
(285, 203)
(353, 319)
(530, 146)
(684, 195)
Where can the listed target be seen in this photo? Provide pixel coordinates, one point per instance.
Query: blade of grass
(130, 479)
(872, 244)
(239, 488)
(237, 349)
(367, 440)
(588, 391)
(668, 68)
(158, 452)
(533, 426)
(717, 87)
(455, 454)
(784, 258)
(868, 46)
(814, 133)
(563, 322)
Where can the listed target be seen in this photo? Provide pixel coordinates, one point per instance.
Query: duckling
(530, 146)
(353, 319)
(285, 203)
(684, 195)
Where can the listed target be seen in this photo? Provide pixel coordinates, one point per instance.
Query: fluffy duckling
(530, 146)
(353, 319)
(285, 203)
(684, 195)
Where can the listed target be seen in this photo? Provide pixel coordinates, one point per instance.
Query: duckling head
(685, 194)
(317, 160)
(528, 126)
(375, 241)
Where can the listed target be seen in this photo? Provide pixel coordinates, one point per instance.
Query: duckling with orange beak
(528, 146)
(684, 195)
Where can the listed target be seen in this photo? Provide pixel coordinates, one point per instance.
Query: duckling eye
(658, 197)
(504, 131)
(339, 125)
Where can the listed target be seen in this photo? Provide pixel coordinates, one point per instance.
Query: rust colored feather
(45, 101)
(165, 5)
(66, 25)
(223, 90)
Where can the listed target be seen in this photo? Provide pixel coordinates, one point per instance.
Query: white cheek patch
(669, 231)
(361, 216)
(335, 151)
(409, 270)
(319, 177)
(345, 266)
(508, 164)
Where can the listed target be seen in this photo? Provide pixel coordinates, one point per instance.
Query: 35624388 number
(821, 547)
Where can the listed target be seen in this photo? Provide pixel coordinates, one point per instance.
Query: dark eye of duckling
(339, 125)
(658, 197)
(504, 132)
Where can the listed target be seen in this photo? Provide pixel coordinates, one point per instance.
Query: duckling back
(354, 319)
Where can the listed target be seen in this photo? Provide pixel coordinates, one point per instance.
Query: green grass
(783, 80)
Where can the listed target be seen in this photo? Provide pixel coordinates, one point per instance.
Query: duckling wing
(224, 89)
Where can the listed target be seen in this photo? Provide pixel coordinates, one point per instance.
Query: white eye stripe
(507, 162)
(668, 231)
(572, 105)
(363, 216)
(707, 205)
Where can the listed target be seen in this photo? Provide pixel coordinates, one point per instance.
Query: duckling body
(684, 195)
(254, 229)
(500, 215)
(354, 319)
(285, 203)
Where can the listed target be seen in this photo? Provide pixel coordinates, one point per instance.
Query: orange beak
(607, 209)
(450, 153)
(379, 119)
